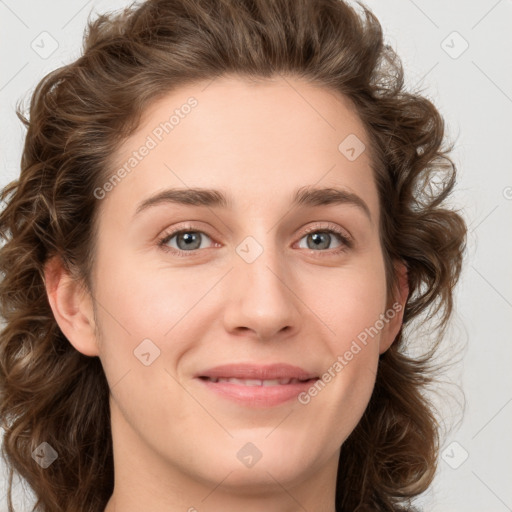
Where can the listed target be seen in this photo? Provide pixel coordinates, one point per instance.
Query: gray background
(473, 91)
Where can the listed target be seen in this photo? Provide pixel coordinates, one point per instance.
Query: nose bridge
(258, 264)
(261, 297)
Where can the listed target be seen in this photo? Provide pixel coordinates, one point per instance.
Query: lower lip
(258, 396)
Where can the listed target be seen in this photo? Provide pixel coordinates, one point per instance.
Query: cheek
(350, 301)
(149, 314)
(142, 319)
(146, 301)
(352, 306)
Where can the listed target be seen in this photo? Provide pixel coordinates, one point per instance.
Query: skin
(175, 443)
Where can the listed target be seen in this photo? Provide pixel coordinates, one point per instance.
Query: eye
(183, 240)
(322, 238)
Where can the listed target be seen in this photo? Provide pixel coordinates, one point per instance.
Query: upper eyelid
(330, 226)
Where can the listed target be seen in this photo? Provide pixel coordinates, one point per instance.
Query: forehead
(257, 140)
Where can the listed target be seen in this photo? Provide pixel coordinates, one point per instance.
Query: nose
(261, 299)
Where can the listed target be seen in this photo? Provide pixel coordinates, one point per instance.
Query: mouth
(250, 385)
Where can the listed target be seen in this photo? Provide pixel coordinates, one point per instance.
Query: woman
(224, 220)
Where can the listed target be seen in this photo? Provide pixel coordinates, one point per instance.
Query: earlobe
(394, 324)
(72, 307)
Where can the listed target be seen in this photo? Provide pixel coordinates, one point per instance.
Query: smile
(255, 393)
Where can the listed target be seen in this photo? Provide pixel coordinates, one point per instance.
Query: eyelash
(346, 241)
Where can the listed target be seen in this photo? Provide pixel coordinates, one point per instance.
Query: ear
(395, 311)
(72, 307)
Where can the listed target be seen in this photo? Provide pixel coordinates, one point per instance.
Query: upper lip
(261, 372)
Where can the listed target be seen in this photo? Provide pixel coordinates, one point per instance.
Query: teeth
(255, 382)
(275, 382)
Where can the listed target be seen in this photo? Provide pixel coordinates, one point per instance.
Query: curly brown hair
(80, 114)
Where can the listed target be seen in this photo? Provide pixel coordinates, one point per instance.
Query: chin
(257, 463)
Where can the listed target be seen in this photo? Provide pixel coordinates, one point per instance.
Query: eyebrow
(303, 196)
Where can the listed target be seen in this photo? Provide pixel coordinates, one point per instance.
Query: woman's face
(256, 280)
